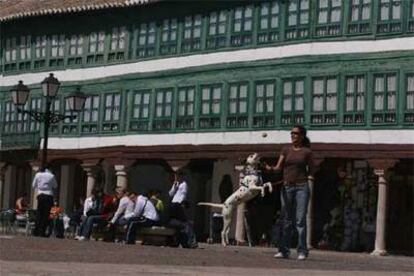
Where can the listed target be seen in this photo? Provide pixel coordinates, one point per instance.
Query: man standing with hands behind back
(45, 183)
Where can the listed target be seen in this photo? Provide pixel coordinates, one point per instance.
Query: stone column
(121, 176)
(66, 187)
(309, 216)
(33, 192)
(91, 171)
(241, 208)
(380, 168)
(3, 166)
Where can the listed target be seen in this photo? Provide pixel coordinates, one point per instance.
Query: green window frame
(35, 105)
(410, 27)
(141, 107)
(90, 114)
(186, 107)
(169, 35)
(409, 99)
(75, 51)
(237, 105)
(146, 40)
(10, 117)
(297, 19)
(96, 47)
(70, 123)
(210, 106)
(268, 27)
(384, 99)
(118, 44)
(293, 103)
(40, 51)
(360, 16)
(329, 17)
(242, 26)
(390, 16)
(57, 50)
(191, 40)
(217, 29)
(355, 100)
(25, 52)
(10, 54)
(264, 100)
(324, 101)
(163, 109)
(55, 108)
(112, 112)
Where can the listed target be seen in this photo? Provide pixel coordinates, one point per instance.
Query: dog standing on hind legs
(250, 186)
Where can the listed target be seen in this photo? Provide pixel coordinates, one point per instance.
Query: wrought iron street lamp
(50, 87)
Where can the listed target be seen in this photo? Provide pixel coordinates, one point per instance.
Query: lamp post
(50, 87)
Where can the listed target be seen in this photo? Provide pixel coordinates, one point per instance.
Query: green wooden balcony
(26, 140)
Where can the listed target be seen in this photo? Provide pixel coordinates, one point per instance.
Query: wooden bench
(158, 235)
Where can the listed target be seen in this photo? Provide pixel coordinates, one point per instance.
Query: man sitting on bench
(145, 215)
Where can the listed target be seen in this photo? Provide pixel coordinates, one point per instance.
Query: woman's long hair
(305, 139)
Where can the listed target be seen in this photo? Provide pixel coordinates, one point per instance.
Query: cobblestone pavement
(38, 256)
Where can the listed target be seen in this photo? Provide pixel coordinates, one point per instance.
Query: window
(91, 114)
(35, 105)
(146, 40)
(297, 19)
(10, 54)
(210, 110)
(410, 27)
(25, 52)
(70, 123)
(192, 33)
(324, 100)
(384, 98)
(217, 28)
(163, 109)
(169, 31)
(40, 52)
(390, 15)
(22, 121)
(140, 110)
(75, 49)
(329, 17)
(111, 112)
(185, 110)
(268, 22)
(237, 115)
(57, 50)
(96, 47)
(118, 44)
(242, 26)
(409, 100)
(293, 102)
(354, 108)
(10, 117)
(360, 16)
(264, 103)
(54, 108)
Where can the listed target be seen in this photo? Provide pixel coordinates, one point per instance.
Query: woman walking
(297, 164)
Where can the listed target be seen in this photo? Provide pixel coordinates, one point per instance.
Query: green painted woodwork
(132, 34)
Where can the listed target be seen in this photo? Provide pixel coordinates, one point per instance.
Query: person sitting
(55, 220)
(97, 209)
(125, 208)
(154, 196)
(144, 215)
(21, 207)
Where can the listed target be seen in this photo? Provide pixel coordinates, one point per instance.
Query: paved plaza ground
(20, 255)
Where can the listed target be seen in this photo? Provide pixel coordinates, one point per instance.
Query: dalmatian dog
(251, 185)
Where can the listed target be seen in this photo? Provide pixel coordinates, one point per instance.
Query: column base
(378, 252)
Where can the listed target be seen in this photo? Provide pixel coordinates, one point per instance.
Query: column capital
(381, 166)
(35, 165)
(176, 165)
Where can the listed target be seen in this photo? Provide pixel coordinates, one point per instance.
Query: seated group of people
(125, 208)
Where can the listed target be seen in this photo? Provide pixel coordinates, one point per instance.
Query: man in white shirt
(45, 184)
(178, 194)
(144, 215)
